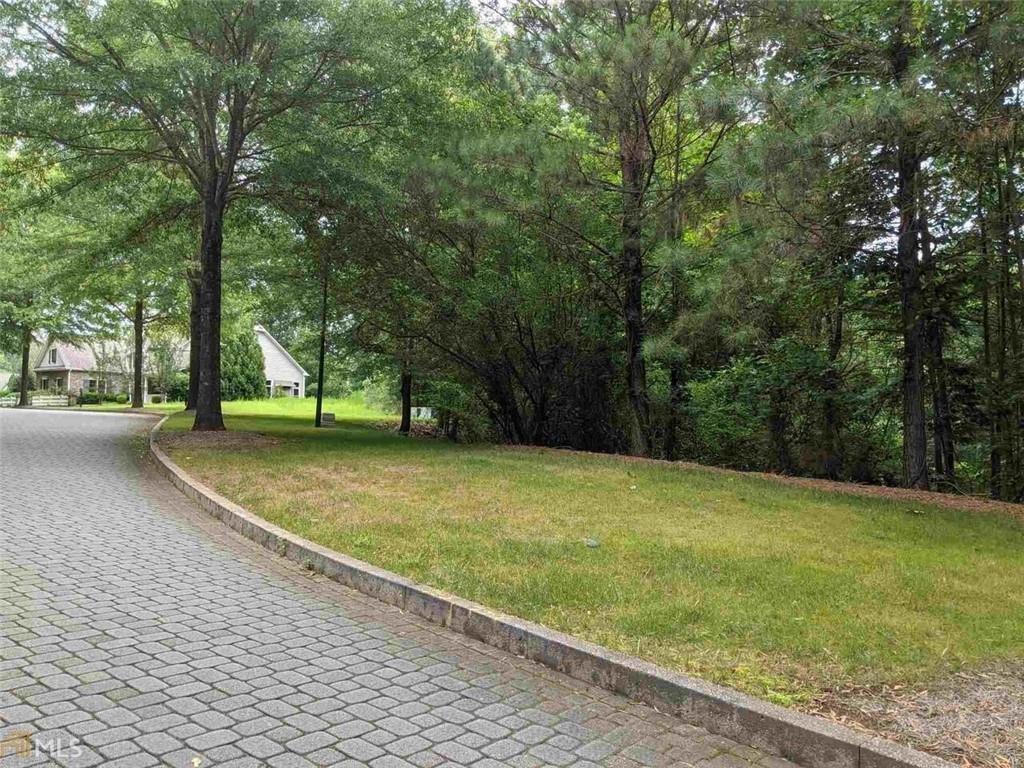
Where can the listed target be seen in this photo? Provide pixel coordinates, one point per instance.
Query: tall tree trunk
(676, 371)
(1003, 459)
(1013, 213)
(915, 435)
(138, 329)
(406, 424)
(995, 455)
(631, 147)
(26, 351)
(322, 356)
(915, 438)
(1007, 482)
(1013, 305)
(208, 408)
(676, 401)
(778, 426)
(833, 462)
(942, 420)
(193, 339)
(995, 459)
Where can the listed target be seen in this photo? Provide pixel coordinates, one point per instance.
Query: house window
(43, 382)
(295, 390)
(53, 356)
(270, 388)
(90, 385)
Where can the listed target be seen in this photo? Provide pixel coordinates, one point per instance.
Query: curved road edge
(813, 742)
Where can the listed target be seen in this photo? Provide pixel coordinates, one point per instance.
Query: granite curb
(810, 741)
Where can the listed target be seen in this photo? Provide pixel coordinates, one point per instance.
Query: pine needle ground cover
(784, 592)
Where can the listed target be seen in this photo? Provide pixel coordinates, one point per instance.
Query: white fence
(36, 399)
(49, 400)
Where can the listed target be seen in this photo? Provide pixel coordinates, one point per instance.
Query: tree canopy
(780, 236)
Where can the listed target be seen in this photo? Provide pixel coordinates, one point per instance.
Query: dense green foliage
(242, 367)
(781, 236)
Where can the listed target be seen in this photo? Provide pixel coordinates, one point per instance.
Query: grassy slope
(777, 590)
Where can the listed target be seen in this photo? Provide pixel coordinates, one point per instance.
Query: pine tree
(242, 376)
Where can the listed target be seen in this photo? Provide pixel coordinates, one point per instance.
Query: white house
(88, 366)
(283, 375)
(105, 366)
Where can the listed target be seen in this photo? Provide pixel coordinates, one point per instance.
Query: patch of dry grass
(973, 717)
(785, 592)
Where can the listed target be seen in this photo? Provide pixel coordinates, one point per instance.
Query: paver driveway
(138, 632)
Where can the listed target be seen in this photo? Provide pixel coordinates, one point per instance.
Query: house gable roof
(260, 330)
(69, 357)
(83, 358)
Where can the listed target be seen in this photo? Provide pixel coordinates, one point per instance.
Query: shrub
(109, 397)
(157, 399)
(241, 372)
(122, 398)
(89, 398)
(14, 383)
(729, 422)
(381, 392)
(459, 415)
(177, 388)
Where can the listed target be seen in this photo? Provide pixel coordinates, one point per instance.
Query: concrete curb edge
(811, 741)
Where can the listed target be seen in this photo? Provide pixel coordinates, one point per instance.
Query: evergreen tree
(242, 375)
(781, 236)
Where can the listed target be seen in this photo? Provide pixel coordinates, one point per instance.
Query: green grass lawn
(352, 407)
(117, 407)
(781, 591)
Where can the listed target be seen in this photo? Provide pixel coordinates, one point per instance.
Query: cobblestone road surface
(137, 632)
